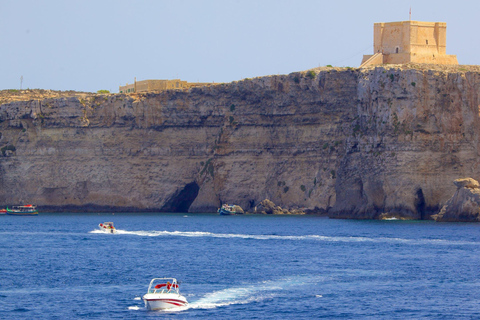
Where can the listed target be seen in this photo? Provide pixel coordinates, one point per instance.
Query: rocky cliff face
(415, 131)
(355, 143)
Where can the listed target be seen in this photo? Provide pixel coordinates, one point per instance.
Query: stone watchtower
(409, 41)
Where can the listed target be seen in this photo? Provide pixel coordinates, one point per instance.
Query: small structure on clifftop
(158, 85)
(409, 41)
(464, 206)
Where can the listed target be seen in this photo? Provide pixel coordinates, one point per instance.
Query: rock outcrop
(353, 143)
(238, 209)
(268, 207)
(464, 206)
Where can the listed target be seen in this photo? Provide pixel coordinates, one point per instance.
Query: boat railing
(170, 286)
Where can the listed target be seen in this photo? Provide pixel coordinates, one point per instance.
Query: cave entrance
(420, 203)
(183, 199)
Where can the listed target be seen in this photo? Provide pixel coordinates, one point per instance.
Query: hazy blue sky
(89, 45)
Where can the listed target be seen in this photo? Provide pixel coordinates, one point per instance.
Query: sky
(90, 45)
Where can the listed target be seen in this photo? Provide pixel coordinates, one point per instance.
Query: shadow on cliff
(181, 200)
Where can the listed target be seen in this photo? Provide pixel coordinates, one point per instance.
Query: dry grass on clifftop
(12, 95)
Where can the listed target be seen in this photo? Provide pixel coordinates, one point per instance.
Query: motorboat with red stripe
(163, 293)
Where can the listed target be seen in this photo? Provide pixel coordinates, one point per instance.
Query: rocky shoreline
(373, 143)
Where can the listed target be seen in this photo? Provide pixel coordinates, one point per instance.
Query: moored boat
(25, 210)
(163, 293)
(3, 211)
(107, 227)
(226, 210)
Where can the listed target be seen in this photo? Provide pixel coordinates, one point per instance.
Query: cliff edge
(353, 143)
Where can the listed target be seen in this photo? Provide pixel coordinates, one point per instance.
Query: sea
(60, 266)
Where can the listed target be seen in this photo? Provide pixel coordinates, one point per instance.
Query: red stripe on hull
(180, 302)
(174, 302)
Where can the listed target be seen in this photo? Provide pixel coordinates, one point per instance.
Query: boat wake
(235, 295)
(246, 294)
(349, 239)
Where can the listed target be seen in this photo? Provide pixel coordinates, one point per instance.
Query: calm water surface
(238, 267)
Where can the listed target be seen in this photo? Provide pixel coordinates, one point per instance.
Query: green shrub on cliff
(103, 91)
(311, 74)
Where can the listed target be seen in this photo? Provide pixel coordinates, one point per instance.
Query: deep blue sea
(56, 266)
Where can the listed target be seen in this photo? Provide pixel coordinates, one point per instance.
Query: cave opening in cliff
(420, 203)
(182, 199)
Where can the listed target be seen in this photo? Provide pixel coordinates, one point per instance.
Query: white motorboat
(107, 227)
(163, 293)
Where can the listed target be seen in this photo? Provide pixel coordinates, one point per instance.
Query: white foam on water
(236, 295)
(249, 293)
(134, 308)
(351, 239)
(137, 298)
(96, 231)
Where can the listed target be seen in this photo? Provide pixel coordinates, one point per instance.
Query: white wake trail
(350, 239)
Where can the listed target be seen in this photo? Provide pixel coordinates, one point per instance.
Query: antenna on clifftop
(21, 82)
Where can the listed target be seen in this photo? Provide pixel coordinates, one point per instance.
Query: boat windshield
(163, 285)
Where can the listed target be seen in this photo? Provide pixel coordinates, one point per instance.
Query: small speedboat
(107, 227)
(3, 211)
(163, 293)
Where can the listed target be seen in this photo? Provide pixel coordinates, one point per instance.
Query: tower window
(426, 41)
(396, 50)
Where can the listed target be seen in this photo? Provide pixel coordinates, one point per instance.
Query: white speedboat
(107, 227)
(163, 293)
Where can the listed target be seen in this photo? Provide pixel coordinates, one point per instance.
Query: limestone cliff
(355, 143)
(415, 130)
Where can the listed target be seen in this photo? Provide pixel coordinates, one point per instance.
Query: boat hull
(24, 210)
(155, 301)
(12, 213)
(224, 212)
(108, 230)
